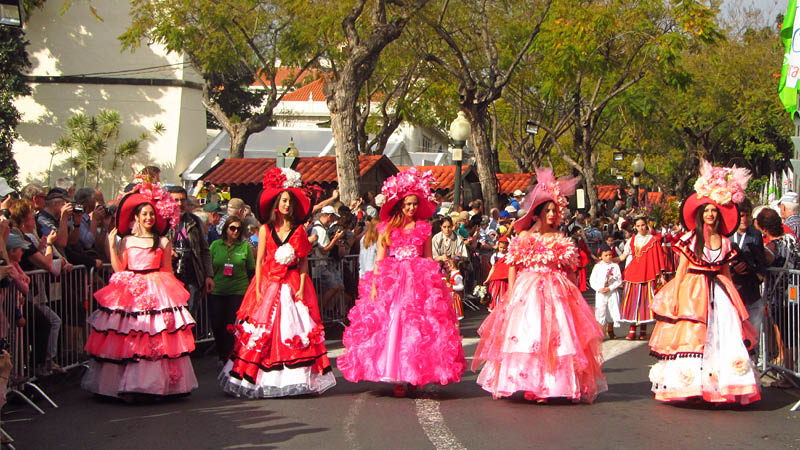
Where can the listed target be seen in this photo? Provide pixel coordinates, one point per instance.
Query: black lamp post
(11, 13)
(459, 131)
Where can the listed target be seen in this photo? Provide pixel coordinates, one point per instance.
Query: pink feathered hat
(546, 189)
(409, 182)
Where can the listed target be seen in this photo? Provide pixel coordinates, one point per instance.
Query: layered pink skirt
(141, 337)
(542, 339)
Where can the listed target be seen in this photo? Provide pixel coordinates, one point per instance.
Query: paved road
(366, 416)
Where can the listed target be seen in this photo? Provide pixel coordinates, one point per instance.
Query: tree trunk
(238, 135)
(344, 125)
(591, 190)
(476, 114)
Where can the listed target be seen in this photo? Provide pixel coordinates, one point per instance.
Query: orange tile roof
(318, 169)
(608, 191)
(510, 182)
(444, 175)
(313, 90)
(283, 74)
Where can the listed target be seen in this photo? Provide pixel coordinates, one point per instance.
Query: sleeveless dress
(141, 333)
(498, 284)
(700, 332)
(408, 333)
(279, 345)
(543, 338)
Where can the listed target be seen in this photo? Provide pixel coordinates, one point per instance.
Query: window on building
(427, 144)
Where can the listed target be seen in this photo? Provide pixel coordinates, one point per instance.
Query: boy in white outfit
(606, 280)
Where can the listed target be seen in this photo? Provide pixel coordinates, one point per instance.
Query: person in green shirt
(234, 265)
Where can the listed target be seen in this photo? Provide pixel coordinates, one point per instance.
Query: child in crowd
(606, 280)
(455, 281)
(498, 274)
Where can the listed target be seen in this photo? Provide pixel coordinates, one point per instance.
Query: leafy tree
(90, 139)
(13, 62)
(480, 45)
(228, 42)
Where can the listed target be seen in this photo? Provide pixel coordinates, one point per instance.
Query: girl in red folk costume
(279, 349)
(141, 333)
(403, 327)
(701, 327)
(543, 339)
(455, 281)
(644, 267)
(498, 275)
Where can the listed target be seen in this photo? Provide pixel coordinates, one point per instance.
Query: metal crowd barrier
(334, 306)
(780, 333)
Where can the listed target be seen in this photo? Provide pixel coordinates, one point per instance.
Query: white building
(303, 116)
(79, 66)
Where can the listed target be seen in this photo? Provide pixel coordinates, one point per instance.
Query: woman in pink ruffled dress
(141, 331)
(543, 339)
(403, 329)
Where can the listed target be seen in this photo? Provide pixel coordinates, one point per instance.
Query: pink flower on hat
(721, 184)
(408, 182)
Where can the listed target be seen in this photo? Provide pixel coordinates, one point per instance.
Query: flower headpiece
(165, 206)
(407, 182)
(721, 184)
(281, 178)
(547, 188)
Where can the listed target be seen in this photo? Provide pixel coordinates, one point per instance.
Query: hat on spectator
(546, 189)
(15, 241)
(504, 214)
(5, 189)
(167, 210)
(510, 210)
(409, 182)
(57, 193)
(502, 230)
(722, 187)
(329, 210)
(277, 180)
(788, 197)
(503, 239)
(518, 193)
(213, 207)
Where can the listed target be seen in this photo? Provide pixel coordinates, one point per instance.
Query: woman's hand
(298, 296)
(112, 236)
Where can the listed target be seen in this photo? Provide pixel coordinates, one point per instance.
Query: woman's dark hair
(272, 217)
(642, 218)
(228, 223)
(446, 219)
(700, 239)
(538, 209)
(154, 230)
(769, 221)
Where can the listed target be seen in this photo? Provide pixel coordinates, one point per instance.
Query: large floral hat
(546, 189)
(167, 210)
(277, 180)
(409, 182)
(722, 187)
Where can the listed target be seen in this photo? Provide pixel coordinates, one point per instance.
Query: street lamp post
(11, 13)
(459, 132)
(637, 166)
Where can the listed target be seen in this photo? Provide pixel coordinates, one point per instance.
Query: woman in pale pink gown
(141, 333)
(543, 339)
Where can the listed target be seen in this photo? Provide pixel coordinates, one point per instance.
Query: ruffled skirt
(141, 337)
(543, 339)
(279, 346)
(708, 361)
(408, 333)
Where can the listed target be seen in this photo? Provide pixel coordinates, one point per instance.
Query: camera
(77, 208)
(3, 344)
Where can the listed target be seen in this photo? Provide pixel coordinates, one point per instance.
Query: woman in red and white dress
(644, 267)
(279, 345)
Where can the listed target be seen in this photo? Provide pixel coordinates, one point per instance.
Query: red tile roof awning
(609, 191)
(445, 175)
(510, 182)
(320, 169)
(312, 91)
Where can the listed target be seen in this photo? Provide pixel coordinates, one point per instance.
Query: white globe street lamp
(460, 131)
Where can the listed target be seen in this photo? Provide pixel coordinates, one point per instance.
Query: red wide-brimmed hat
(546, 189)
(722, 187)
(409, 182)
(277, 180)
(167, 210)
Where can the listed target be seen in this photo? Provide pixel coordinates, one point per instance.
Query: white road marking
(434, 427)
(350, 420)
